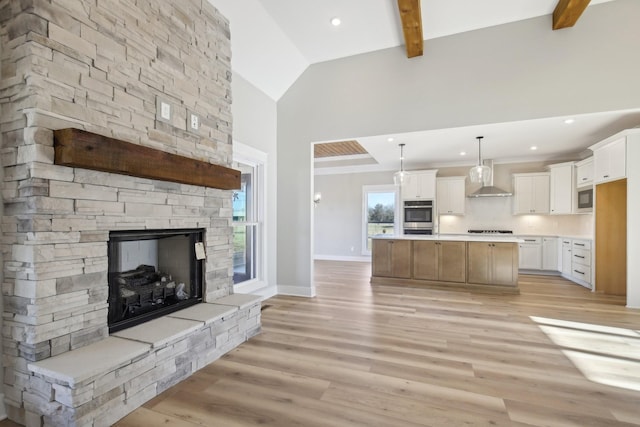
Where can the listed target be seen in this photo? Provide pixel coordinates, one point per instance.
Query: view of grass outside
(380, 215)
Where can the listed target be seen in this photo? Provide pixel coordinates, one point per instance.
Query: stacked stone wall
(104, 66)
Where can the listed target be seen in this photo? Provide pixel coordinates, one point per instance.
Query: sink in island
(487, 263)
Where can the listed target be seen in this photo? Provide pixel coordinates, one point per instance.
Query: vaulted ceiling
(274, 41)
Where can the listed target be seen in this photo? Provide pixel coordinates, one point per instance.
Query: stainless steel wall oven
(418, 217)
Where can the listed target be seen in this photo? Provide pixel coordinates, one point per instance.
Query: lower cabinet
(550, 258)
(391, 258)
(530, 255)
(566, 257)
(581, 261)
(492, 263)
(445, 261)
(576, 262)
(439, 260)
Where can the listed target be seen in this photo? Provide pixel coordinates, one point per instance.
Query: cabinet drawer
(581, 272)
(531, 240)
(582, 244)
(582, 257)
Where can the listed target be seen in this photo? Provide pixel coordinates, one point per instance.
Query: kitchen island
(488, 263)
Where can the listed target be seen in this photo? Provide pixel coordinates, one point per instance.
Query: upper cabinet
(562, 189)
(530, 193)
(584, 172)
(450, 195)
(419, 185)
(610, 160)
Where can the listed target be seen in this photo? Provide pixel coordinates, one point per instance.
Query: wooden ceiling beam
(567, 13)
(411, 18)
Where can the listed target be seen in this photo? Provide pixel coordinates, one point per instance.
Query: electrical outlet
(194, 122)
(165, 110)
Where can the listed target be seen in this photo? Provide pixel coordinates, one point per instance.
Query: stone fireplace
(134, 71)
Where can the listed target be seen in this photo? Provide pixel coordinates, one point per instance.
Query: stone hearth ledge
(119, 349)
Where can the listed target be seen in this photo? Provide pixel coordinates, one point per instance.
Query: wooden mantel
(81, 149)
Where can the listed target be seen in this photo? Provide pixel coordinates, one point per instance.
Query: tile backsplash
(496, 213)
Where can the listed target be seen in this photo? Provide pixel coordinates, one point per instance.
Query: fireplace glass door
(153, 273)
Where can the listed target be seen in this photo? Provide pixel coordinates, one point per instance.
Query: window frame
(385, 188)
(257, 160)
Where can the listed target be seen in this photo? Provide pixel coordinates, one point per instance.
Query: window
(249, 269)
(245, 226)
(379, 213)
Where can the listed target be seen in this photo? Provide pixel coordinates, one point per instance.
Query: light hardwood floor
(362, 355)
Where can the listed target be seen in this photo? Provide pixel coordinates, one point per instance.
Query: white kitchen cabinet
(581, 262)
(530, 253)
(584, 173)
(566, 258)
(419, 185)
(450, 195)
(610, 161)
(531, 193)
(562, 189)
(550, 247)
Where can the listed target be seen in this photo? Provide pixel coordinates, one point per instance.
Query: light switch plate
(194, 121)
(165, 110)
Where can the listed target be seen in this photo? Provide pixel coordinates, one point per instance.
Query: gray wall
(516, 71)
(338, 217)
(254, 124)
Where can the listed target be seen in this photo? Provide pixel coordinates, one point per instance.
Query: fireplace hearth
(153, 273)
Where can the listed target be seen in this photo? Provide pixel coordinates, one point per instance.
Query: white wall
(517, 71)
(254, 124)
(338, 217)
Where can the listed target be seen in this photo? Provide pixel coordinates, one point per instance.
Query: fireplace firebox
(153, 273)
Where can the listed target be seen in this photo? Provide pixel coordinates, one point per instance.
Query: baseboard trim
(363, 258)
(297, 291)
(539, 272)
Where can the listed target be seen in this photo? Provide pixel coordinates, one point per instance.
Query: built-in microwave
(585, 200)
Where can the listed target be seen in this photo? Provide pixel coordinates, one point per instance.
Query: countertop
(453, 237)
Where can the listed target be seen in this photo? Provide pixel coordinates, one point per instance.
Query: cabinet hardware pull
(578, 256)
(584, 179)
(579, 272)
(579, 244)
(606, 176)
(529, 240)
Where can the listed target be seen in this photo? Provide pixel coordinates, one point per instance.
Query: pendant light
(400, 177)
(480, 173)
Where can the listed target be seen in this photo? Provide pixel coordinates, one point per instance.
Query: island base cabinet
(492, 263)
(440, 261)
(391, 258)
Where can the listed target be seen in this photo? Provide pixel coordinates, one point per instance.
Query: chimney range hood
(490, 190)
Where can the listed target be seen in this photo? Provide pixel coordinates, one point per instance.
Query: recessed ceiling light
(335, 21)
(533, 147)
(463, 153)
(390, 139)
(569, 121)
